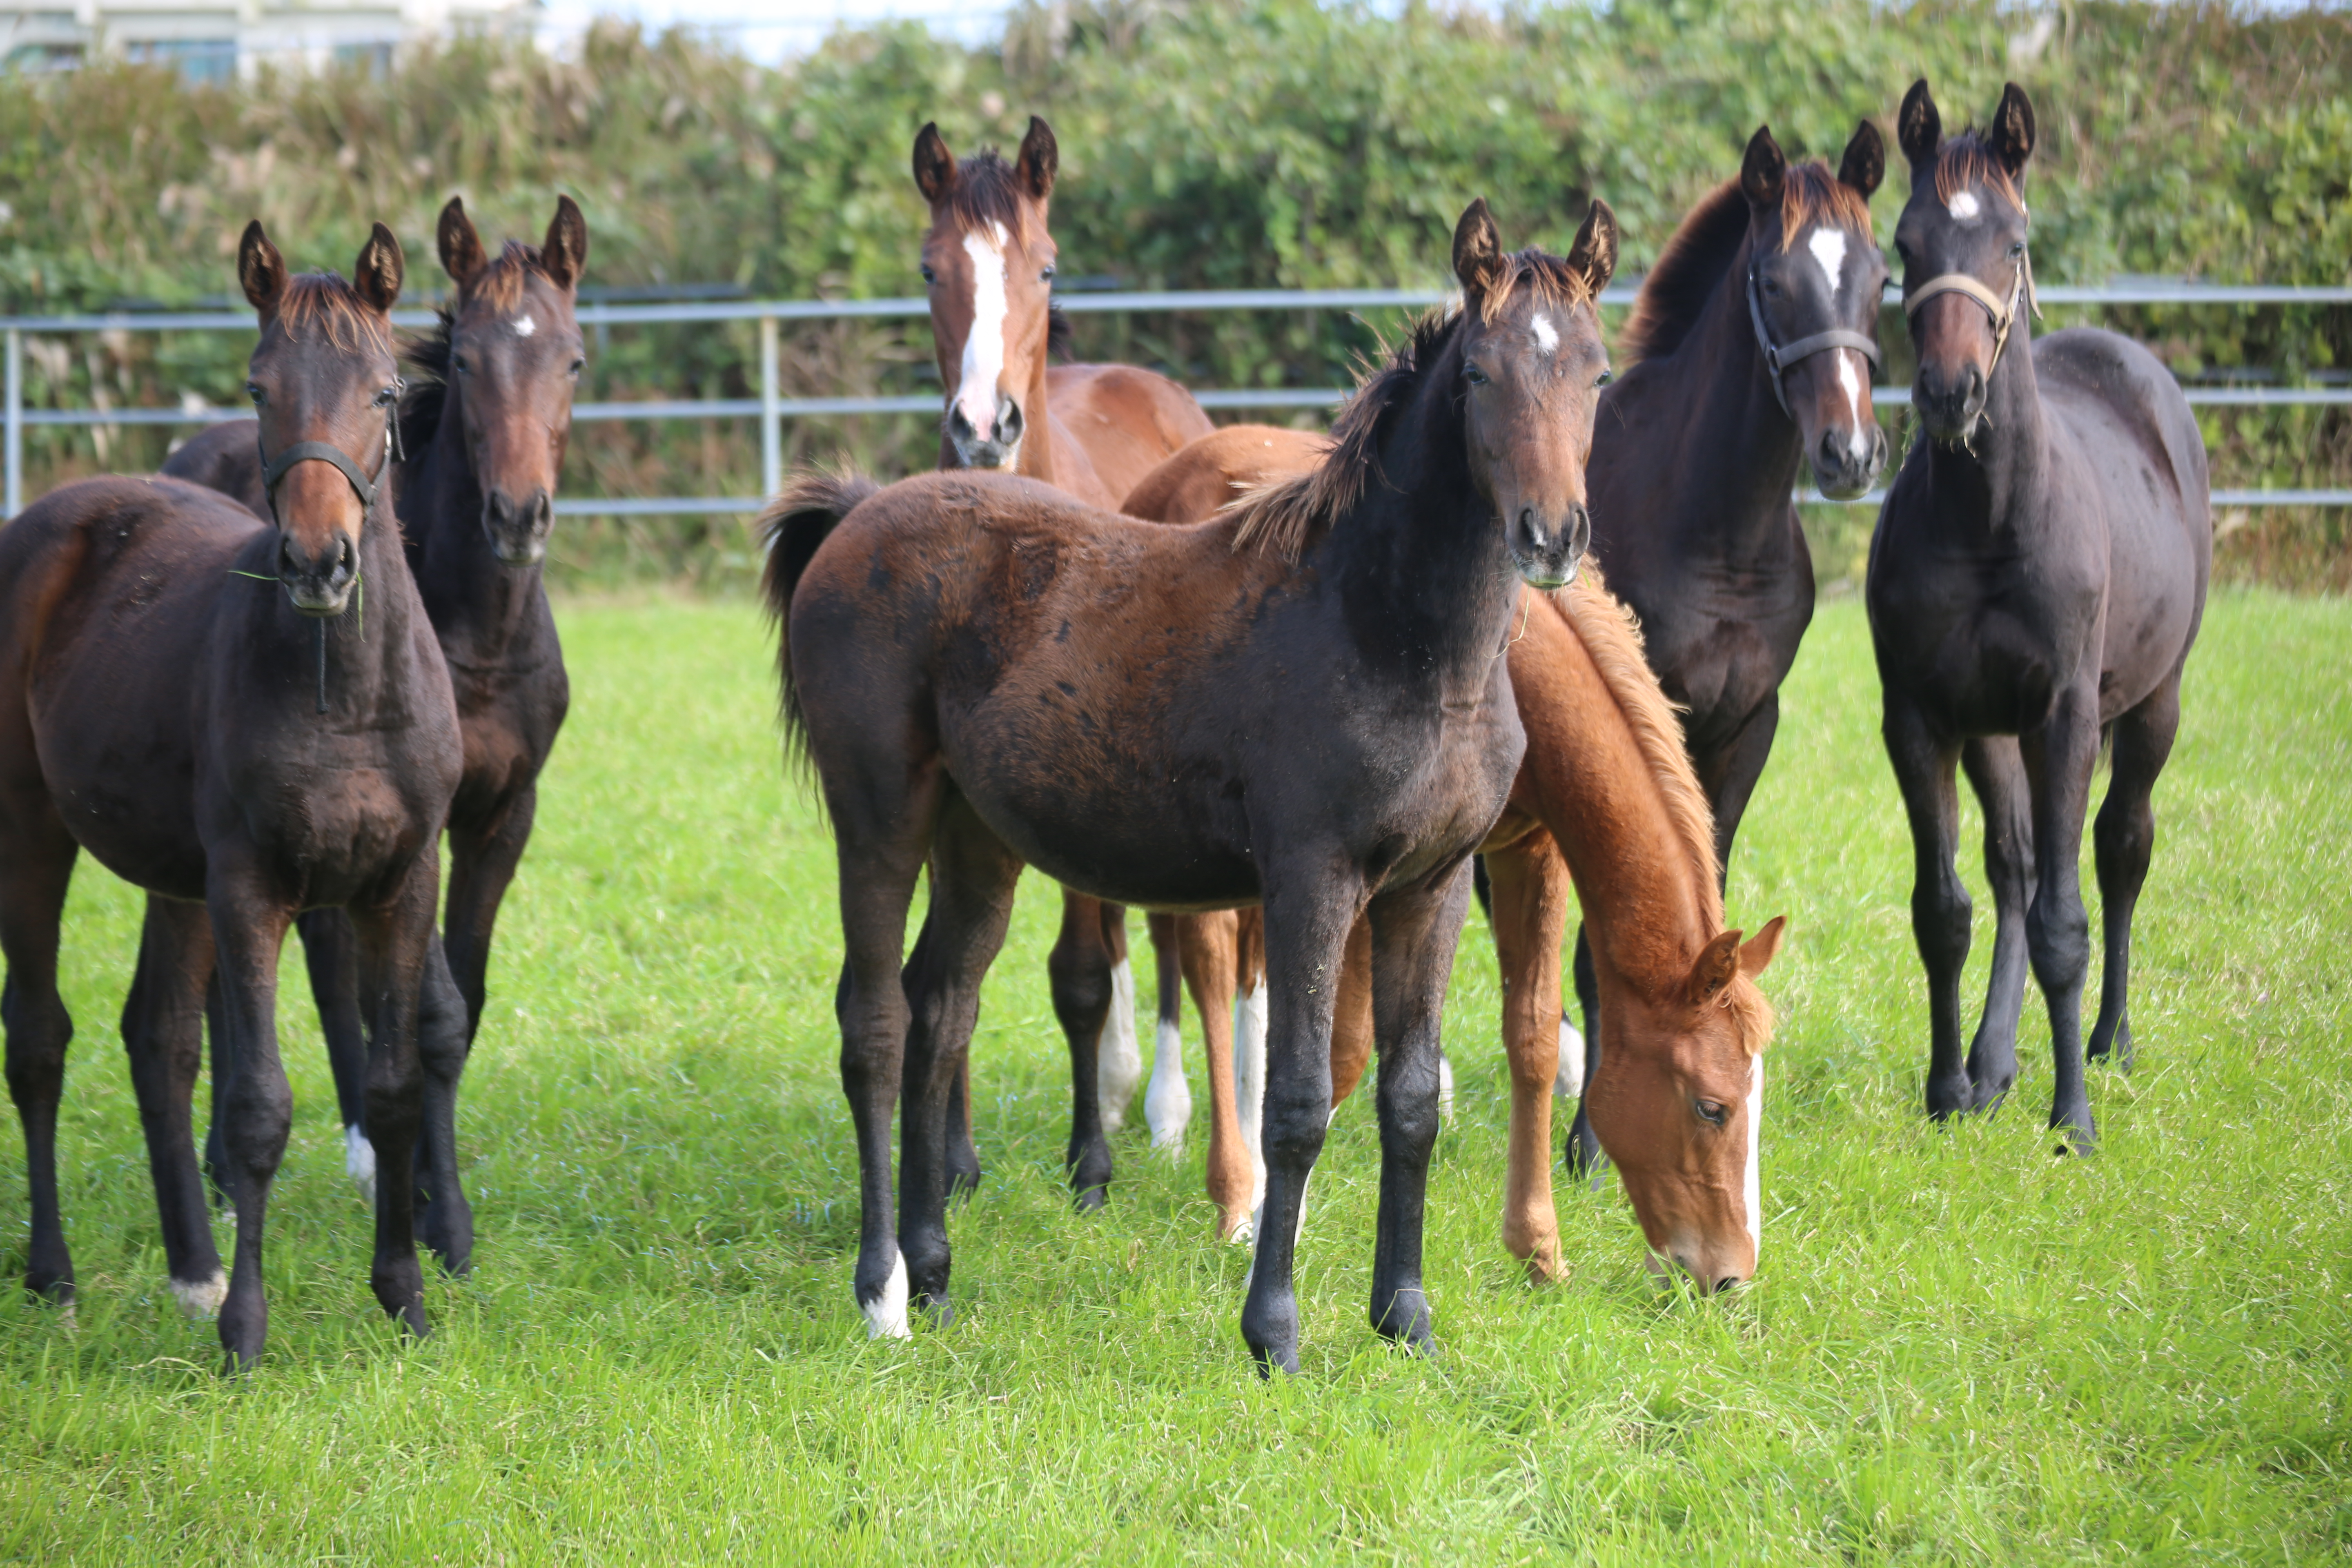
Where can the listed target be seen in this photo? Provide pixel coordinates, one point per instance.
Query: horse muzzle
(998, 446)
(320, 586)
(518, 532)
(1949, 401)
(1846, 463)
(1546, 550)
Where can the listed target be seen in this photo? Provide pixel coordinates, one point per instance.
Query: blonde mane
(1613, 638)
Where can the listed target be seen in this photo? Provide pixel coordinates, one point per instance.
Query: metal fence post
(16, 424)
(771, 416)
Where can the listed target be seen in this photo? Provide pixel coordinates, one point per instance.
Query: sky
(770, 32)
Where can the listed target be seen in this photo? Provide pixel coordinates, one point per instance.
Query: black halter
(274, 469)
(1778, 357)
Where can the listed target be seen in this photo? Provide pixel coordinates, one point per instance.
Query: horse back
(1125, 421)
(224, 458)
(1212, 473)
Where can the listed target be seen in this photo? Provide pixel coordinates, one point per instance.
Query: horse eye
(1712, 1111)
(929, 276)
(386, 396)
(578, 366)
(1473, 375)
(2016, 249)
(1606, 377)
(1772, 287)
(253, 390)
(1046, 276)
(460, 365)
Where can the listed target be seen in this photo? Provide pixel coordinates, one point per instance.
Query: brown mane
(1968, 159)
(1611, 635)
(327, 301)
(1708, 241)
(499, 283)
(987, 190)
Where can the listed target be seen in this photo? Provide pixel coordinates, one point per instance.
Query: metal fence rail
(771, 409)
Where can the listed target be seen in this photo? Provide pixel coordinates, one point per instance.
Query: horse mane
(327, 301)
(1556, 285)
(499, 282)
(1612, 637)
(987, 190)
(1707, 242)
(1059, 339)
(1968, 159)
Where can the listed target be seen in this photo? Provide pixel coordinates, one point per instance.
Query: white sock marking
(1851, 385)
(1118, 1059)
(1568, 1079)
(1828, 245)
(524, 326)
(1752, 1188)
(1547, 339)
(359, 1162)
(1964, 207)
(1444, 1089)
(1167, 1103)
(201, 1297)
(983, 346)
(1249, 1084)
(885, 1315)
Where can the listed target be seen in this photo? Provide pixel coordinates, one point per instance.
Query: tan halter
(2002, 311)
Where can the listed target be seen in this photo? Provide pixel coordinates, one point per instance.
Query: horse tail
(802, 517)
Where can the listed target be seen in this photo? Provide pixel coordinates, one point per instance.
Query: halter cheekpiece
(1778, 357)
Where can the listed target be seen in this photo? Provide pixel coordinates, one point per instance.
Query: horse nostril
(1728, 1282)
(959, 423)
(286, 567)
(1008, 421)
(347, 560)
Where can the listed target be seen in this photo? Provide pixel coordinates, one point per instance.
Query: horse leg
(1413, 934)
(442, 1214)
(1731, 777)
(401, 966)
(1249, 1042)
(972, 879)
(37, 861)
(162, 1033)
(2123, 839)
(256, 1108)
(1167, 1103)
(1309, 915)
(1120, 1057)
(331, 954)
(961, 1160)
(1205, 948)
(1080, 970)
(483, 860)
(1924, 768)
(1586, 1159)
(2059, 759)
(1997, 773)
(1530, 923)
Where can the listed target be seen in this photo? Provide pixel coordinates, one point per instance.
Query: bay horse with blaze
(1318, 722)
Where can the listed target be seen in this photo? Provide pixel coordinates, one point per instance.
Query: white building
(212, 40)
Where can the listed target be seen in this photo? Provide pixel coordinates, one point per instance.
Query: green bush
(1216, 143)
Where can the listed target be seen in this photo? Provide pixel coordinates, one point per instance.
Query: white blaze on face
(1752, 1188)
(524, 326)
(1546, 338)
(983, 346)
(1828, 245)
(1965, 209)
(1851, 385)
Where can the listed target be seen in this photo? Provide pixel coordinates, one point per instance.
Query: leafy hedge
(1221, 142)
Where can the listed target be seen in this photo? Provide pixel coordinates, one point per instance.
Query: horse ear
(1478, 251)
(1593, 256)
(460, 247)
(1718, 962)
(1865, 163)
(379, 269)
(1918, 129)
(2013, 129)
(261, 270)
(565, 255)
(1757, 953)
(1763, 171)
(935, 166)
(1038, 159)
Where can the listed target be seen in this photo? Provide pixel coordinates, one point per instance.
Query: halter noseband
(274, 469)
(1778, 357)
(2002, 311)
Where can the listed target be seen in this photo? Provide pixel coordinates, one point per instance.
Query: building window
(373, 59)
(207, 60)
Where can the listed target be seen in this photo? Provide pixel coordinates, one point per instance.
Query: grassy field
(1958, 1348)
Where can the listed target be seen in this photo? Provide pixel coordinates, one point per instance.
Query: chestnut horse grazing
(1605, 791)
(1752, 344)
(2036, 581)
(1318, 722)
(1091, 430)
(244, 750)
(484, 433)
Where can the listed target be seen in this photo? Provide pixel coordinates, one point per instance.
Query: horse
(2036, 580)
(1300, 705)
(1751, 342)
(483, 434)
(243, 753)
(1090, 430)
(1605, 793)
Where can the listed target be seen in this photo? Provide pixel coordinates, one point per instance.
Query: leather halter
(1778, 357)
(2002, 311)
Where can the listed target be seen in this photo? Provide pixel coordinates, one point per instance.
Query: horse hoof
(1987, 1097)
(938, 1310)
(2077, 1135)
(1241, 1230)
(1272, 1359)
(1088, 1200)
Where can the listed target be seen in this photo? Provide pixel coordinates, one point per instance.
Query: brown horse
(1318, 722)
(1605, 791)
(484, 435)
(1090, 430)
(244, 751)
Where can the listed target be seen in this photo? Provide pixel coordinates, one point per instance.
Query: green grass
(1958, 1348)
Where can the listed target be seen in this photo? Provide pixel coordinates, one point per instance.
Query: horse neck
(1741, 440)
(477, 603)
(1037, 452)
(1421, 562)
(1985, 487)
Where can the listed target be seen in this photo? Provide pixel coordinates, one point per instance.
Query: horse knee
(1082, 987)
(1291, 1132)
(2059, 941)
(1940, 912)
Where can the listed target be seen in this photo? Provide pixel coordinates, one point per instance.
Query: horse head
(515, 355)
(325, 384)
(1532, 367)
(988, 264)
(1961, 240)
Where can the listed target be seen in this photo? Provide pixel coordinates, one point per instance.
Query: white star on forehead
(524, 326)
(1546, 340)
(1828, 245)
(1964, 208)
